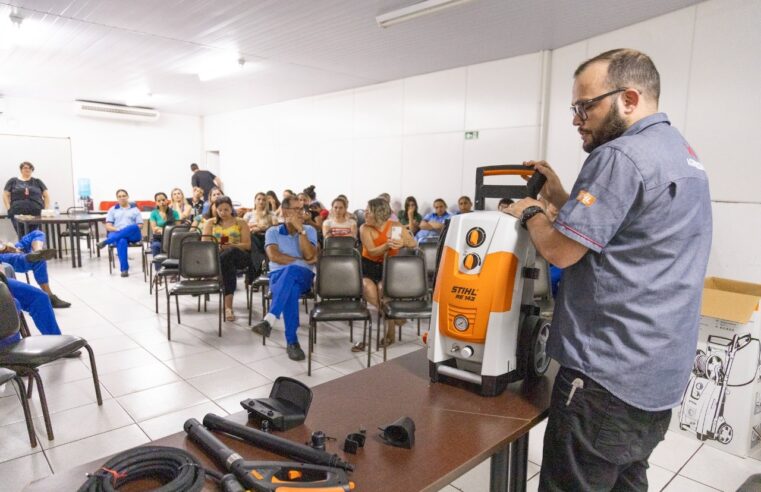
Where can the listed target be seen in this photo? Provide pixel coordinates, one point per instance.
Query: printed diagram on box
(702, 410)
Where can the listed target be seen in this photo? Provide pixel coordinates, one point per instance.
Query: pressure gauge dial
(461, 323)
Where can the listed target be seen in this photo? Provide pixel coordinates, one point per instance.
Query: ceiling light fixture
(416, 10)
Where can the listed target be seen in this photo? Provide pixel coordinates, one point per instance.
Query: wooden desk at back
(71, 220)
(455, 430)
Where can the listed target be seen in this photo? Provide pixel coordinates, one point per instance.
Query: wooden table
(455, 430)
(71, 221)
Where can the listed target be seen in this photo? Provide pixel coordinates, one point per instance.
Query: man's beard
(611, 128)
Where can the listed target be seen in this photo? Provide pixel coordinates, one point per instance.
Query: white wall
(404, 137)
(710, 69)
(141, 157)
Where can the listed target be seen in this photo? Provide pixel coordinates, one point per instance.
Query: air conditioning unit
(115, 111)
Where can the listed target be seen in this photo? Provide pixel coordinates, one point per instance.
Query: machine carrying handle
(484, 191)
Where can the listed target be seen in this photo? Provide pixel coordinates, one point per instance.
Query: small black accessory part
(286, 407)
(354, 441)
(400, 434)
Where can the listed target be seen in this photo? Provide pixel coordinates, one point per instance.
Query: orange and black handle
(484, 191)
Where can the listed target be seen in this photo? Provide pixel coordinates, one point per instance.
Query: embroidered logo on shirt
(586, 198)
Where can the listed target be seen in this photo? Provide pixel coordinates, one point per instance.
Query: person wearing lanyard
(633, 237)
(123, 223)
(25, 196)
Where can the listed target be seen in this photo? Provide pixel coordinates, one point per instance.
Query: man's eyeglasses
(580, 108)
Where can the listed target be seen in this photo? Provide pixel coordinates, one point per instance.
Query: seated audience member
(196, 204)
(504, 204)
(318, 214)
(349, 213)
(339, 222)
(234, 239)
(162, 215)
(464, 205)
(37, 303)
(410, 217)
(181, 206)
(273, 202)
(214, 193)
(433, 223)
(292, 250)
(387, 198)
(259, 219)
(304, 202)
(123, 223)
(380, 235)
(30, 254)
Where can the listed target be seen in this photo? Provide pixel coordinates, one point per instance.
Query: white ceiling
(122, 50)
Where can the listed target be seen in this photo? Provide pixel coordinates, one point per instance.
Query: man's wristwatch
(529, 212)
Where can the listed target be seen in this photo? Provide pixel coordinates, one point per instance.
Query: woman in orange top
(380, 235)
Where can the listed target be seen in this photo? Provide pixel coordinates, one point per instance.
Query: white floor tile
(171, 423)
(682, 484)
(718, 469)
(658, 477)
(281, 365)
(175, 349)
(16, 474)
(161, 400)
(64, 371)
(674, 451)
(533, 484)
(14, 442)
(115, 343)
(356, 363)
(319, 376)
(11, 410)
(95, 447)
(81, 422)
(227, 382)
(121, 360)
(200, 364)
(68, 395)
(536, 442)
(138, 378)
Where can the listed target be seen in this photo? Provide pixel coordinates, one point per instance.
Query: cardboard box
(722, 401)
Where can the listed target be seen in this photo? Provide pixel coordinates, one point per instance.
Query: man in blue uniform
(633, 237)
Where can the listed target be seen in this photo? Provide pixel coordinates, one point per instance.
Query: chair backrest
(342, 243)
(360, 215)
(166, 234)
(198, 259)
(339, 276)
(9, 320)
(178, 236)
(429, 255)
(404, 277)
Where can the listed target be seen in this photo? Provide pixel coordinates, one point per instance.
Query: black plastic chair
(428, 249)
(141, 245)
(170, 266)
(26, 355)
(339, 288)
(342, 243)
(7, 376)
(200, 274)
(405, 291)
(166, 239)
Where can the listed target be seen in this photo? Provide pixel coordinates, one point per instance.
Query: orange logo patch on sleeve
(586, 198)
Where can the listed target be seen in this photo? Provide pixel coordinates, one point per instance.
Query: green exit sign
(471, 135)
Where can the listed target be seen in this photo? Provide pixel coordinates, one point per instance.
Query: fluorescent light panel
(419, 9)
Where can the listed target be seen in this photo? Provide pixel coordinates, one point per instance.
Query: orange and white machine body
(485, 329)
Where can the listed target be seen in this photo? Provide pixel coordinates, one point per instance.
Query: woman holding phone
(380, 235)
(234, 239)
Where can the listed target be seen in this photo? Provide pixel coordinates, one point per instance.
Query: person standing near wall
(25, 195)
(206, 180)
(633, 237)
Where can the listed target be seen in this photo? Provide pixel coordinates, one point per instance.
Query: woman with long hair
(234, 239)
(162, 215)
(410, 217)
(380, 236)
(180, 205)
(339, 222)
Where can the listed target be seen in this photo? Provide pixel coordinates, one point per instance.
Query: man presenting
(634, 237)
(292, 249)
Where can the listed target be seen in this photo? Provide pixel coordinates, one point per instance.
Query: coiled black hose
(176, 469)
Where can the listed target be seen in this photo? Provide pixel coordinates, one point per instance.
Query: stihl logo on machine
(464, 294)
(586, 198)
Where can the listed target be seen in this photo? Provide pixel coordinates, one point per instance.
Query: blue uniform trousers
(287, 285)
(121, 239)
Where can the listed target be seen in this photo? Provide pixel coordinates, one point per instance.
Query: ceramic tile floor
(151, 386)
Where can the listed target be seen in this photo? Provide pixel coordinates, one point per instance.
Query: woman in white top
(260, 218)
(339, 223)
(181, 206)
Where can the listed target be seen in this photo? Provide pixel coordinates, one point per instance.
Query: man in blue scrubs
(123, 223)
(292, 250)
(633, 237)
